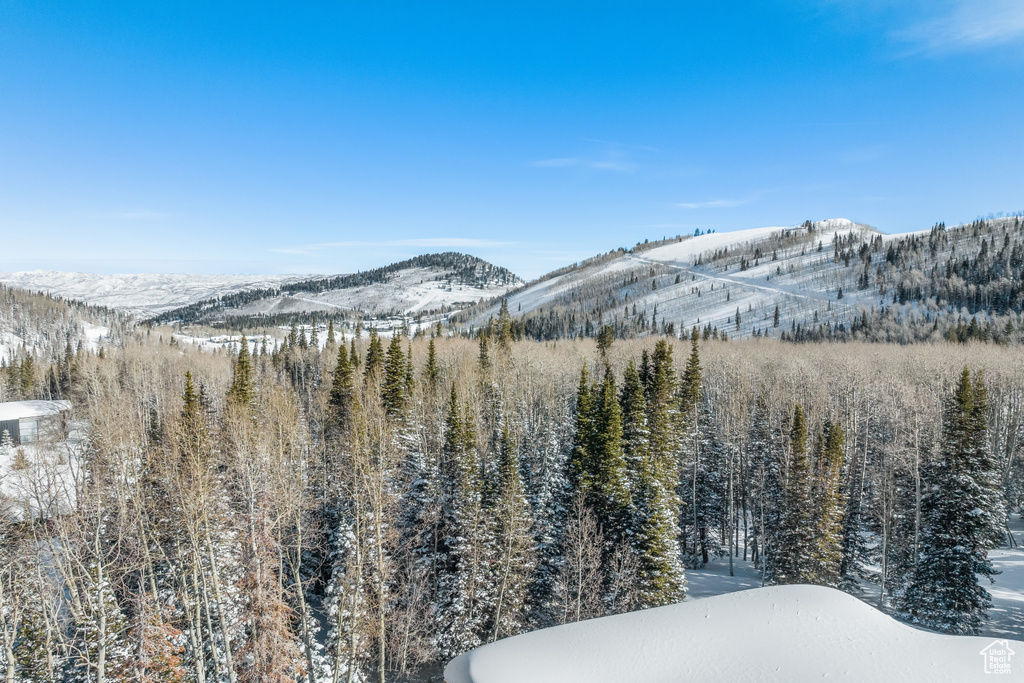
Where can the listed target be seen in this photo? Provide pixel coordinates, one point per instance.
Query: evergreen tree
(504, 327)
(605, 337)
(353, 357)
(609, 492)
(484, 358)
(635, 432)
(663, 414)
(580, 460)
(962, 517)
(512, 543)
(374, 357)
(192, 432)
(462, 556)
(765, 458)
(797, 543)
(342, 392)
(831, 506)
(242, 392)
(689, 390)
(393, 388)
(431, 372)
(706, 484)
(655, 536)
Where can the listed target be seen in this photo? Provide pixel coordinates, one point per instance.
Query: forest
(361, 508)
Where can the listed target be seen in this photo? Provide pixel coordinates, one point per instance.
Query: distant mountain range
(432, 283)
(831, 279)
(144, 294)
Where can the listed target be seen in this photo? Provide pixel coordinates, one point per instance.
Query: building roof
(17, 410)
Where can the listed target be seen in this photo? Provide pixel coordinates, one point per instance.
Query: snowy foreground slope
(780, 633)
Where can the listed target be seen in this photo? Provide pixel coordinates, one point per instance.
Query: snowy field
(408, 291)
(141, 294)
(803, 285)
(778, 633)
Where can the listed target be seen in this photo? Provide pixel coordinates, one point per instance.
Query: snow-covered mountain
(425, 284)
(824, 278)
(422, 284)
(140, 294)
(781, 633)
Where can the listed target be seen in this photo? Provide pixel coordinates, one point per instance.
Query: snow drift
(781, 633)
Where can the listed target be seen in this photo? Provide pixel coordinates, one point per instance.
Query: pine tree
(342, 392)
(962, 517)
(655, 537)
(605, 337)
(706, 484)
(431, 372)
(765, 457)
(609, 494)
(580, 459)
(663, 414)
(504, 327)
(831, 506)
(374, 357)
(484, 358)
(689, 390)
(192, 432)
(512, 543)
(242, 392)
(635, 432)
(353, 357)
(393, 388)
(796, 549)
(462, 555)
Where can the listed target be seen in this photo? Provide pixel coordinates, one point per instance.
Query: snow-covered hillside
(430, 283)
(422, 284)
(32, 323)
(820, 278)
(407, 292)
(678, 283)
(140, 294)
(780, 633)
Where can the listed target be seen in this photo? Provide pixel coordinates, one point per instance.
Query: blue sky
(305, 137)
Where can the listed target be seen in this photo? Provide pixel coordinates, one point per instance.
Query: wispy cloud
(144, 215)
(608, 164)
(863, 155)
(714, 204)
(724, 203)
(967, 25)
(624, 145)
(429, 242)
(559, 162)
